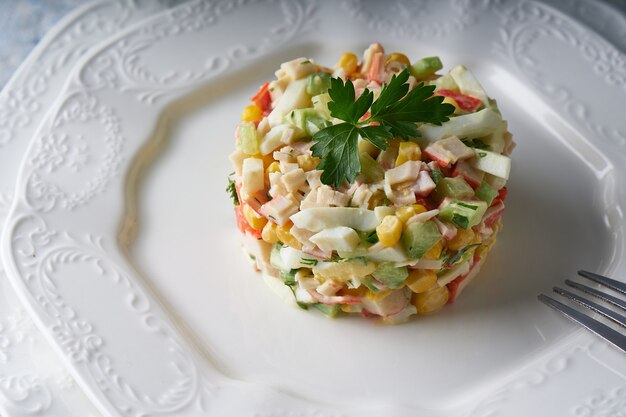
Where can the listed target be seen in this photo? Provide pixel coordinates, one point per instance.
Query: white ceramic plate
(33, 380)
(122, 242)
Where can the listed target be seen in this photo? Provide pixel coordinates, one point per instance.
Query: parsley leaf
(231, 189)
(394, 113)
(338, 147)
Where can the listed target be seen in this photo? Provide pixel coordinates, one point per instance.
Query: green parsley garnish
(396, 111)
(232, 190)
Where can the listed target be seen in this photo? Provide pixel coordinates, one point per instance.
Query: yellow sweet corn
(408, 151)
(348, 62)
(254, 220)
(421, 280)
(268, 234)
(431, 301)
(398, 57)
(389, 230)
(406, 212)
(287, 238)
(463, 238)
(435, 251)
(307, 162)
(251, 113)
(273, 167)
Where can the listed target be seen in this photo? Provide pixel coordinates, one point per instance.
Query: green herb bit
(477, 144)
(307, 261)
(231, 189)
(459, 254)
(395, 113)
(436, 176)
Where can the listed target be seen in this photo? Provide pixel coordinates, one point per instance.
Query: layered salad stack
(374, 187)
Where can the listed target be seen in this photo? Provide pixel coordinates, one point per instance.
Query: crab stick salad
(373, 187)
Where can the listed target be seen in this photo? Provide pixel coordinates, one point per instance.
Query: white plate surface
(33, 380)
(122, 241)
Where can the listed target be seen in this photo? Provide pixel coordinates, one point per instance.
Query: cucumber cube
(318, 83)
(425, 67)
(486, 193)
(453, 187)
(388, 274)
(248, 138)
(464, 214)
(418, 238)
(308, 120)
(371, 171)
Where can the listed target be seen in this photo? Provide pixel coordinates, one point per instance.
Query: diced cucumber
(453, 187)
(320, 103)
(418, 238)
(388, 274)
(248, 139)
(371, 171)
(328, 309)
(445, 82)
(467, 126)
(486, 193)
(492, 163)
(307, 120)
(425, 67)
(464, 214)
(495, 182)
(318, 83)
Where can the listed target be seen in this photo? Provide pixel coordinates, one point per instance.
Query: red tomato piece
(465, 102)
(262, 98)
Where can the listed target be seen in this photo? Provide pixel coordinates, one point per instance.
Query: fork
(618, 339)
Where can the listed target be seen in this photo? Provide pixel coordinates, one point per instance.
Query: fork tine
(615, 338)
(592, 291)
(610, 314)
(602, 280)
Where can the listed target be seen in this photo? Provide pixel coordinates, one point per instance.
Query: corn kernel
(421, 280)
(463, 238)
(398, 57)
(389, 230)
(435, 251)
(254, 220)
(251, 113)
(348, 62)
(287, 238)
(307, 162)
(268, 234)
(450, 100)
(405, 213)
(432, 300)
(408, 151)
(377, 296)
(273, 167)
